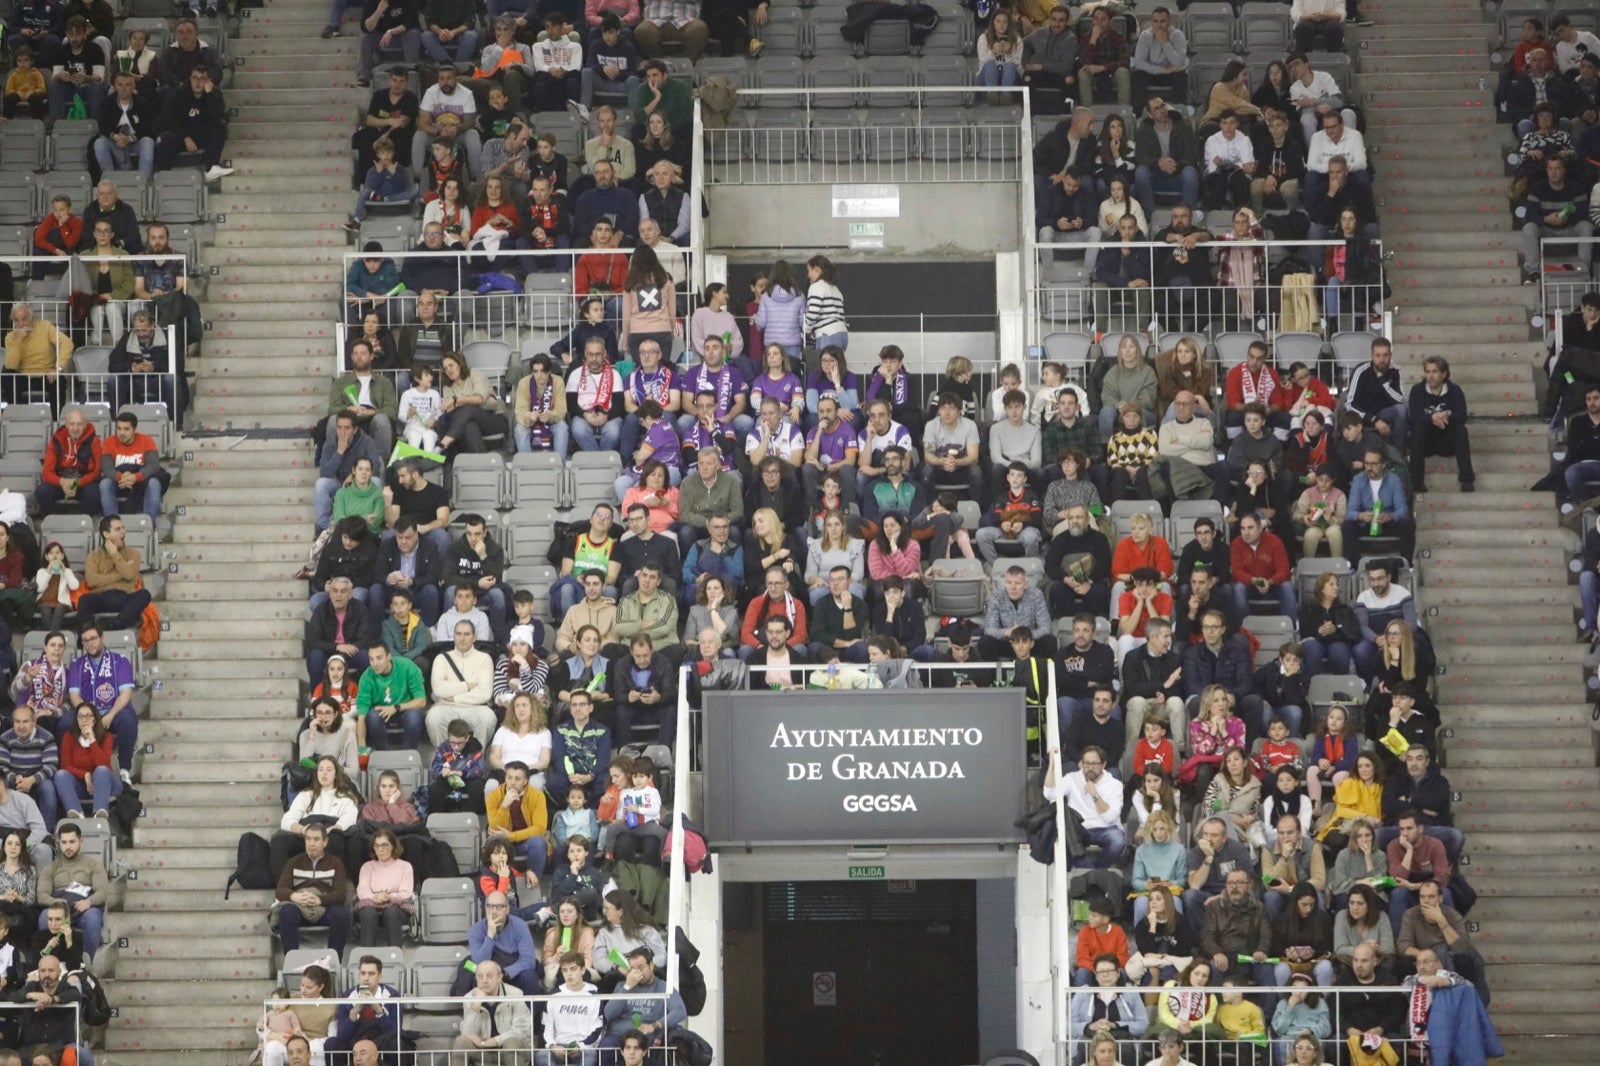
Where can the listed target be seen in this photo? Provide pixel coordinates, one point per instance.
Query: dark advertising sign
(911, 766)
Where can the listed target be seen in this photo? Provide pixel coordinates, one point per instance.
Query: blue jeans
(410, 49)
(149, 499)
(1284, 592)
(1111, 840)
(466, 47)
(533, 852)
(90, 921)
(413, 729)
(1334, 654)
(590, 82)
(585, 438)
(124, 730)
(558, 438)
(322, 506)
(1585, 472)
(71, 792)
(1321, 971)
(1292, 716)
(1589, 595)
(996, 73)
(336, 918)
(1185, 184)
(140, 155)
(567, 591)
(1070, 708)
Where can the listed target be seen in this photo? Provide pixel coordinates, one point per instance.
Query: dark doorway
(875, 973)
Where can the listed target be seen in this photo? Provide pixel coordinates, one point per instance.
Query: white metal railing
(1060, 898)
(923, 134)
(76, 1008)
(1562, 282)
(441, 1007)
(1210, 1045)
(1066, 298)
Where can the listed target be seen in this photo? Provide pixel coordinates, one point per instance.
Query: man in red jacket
(131, 472)
(71, 466)
(776, 600)
(1260, 567)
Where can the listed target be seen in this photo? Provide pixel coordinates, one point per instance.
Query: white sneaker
(1567, 508)
(127, 778)
(217, 173)
(579, 110)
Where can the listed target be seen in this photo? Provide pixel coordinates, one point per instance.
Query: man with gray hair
(491, 1019)
(339, 625)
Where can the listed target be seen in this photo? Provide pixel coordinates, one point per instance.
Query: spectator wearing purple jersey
(102, 679)
(651, 380)
(831, 447)
(726, 385)
(660, 444)
(779, 382)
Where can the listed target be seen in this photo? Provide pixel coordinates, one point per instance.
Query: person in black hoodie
(896, 615)
(1207, 550)
(127, 123)
(1083, 666)
(194, 120)
(1284, 688)
(1078, 564)
(1439, 423)
(348, 554)
(1577, 365)
(1065, 212)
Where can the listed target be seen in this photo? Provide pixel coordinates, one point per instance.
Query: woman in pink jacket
(893, 551)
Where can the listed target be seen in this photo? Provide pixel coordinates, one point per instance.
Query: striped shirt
(824, 309)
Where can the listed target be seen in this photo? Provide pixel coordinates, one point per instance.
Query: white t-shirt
(523, 749)
(1322, 87)
(645, 801)
(436, 102)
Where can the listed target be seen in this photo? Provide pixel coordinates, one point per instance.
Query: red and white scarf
(595, 390)
(1187, 1006)
(1421, 1003)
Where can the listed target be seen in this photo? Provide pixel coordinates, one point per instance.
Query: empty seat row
(172, 196)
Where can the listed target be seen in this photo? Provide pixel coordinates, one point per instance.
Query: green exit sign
(866, 229)
(866, 873)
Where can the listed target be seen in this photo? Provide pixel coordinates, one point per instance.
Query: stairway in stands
(191, 979)
(1494, 582)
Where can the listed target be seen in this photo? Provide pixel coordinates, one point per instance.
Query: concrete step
(217, 860)
(330, 235)
(1515, 716)
(316, 323)
(1452, 553)
(286, 645)
(1565, 779)
(1433, 243)
(262, 819)
(1484, 757)
(237, 590)
(329, 254)
(192, 671)
(203, 514)
(223, 422)
(142, 926)
(171, 708)
(224, 553)
(207, 968)
(1558, 612)
(1554, 632)
(273, 292)
(249, 276)
(175, 1039)
(1464, 585)
(219, 756)
(187, 836)
(160, 773)
(178, 993)
(268, 629)
(177, 796)
(1436, 64)
(247, 81)
(1582, 822)
(243, 733)
(264, 390)
(175, 612)
(1531, 538)
(1471, 688)
(1529, 654)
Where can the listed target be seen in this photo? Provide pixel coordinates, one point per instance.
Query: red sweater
(80, 761)
(64, 453)
(1129, 556)
(51, 234)
(609, 271)
(1161, 754)
(1268, 559)
(1092, 944)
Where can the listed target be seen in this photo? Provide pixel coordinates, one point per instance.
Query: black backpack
(253, 866)
(96, 1008)
(429, 857)
(124, 812)
(691, 982)
(692, 1048)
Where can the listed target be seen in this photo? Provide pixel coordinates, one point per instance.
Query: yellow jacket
(42, 350)
(533, 814)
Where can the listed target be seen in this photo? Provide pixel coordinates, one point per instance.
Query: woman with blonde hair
(1183, 368)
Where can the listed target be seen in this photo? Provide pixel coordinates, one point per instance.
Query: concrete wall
(769, 217)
